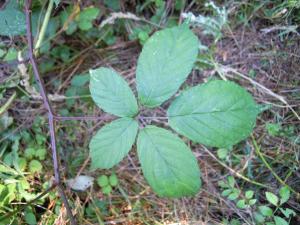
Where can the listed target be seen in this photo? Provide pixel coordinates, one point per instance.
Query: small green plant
(278, 216)
(231, 192)
(217, 114)
(263, 213)
(72, 18)
(107, 183)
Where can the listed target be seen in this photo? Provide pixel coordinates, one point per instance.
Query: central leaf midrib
(210, 112)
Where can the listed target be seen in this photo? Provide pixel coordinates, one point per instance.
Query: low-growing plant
(278, 216)
(217, 114)
(107, 183)
(262, 213)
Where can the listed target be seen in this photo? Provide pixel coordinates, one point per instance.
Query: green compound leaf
(86, 18)
(218, 114)
(111, 93)
(112, 143)
(12, 20)
(168, 164)
(166, 60)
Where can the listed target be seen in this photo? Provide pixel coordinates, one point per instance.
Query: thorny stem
(50, 112)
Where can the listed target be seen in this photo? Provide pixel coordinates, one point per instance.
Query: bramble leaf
(273, 199)
(284, 193)
(265, 210)
(218, 113)
(12, 20)
(280, 221)
(30, 218)
(86, 18)
(35, 166)
(288, 212)
(168, 164)
(226, 192)
(241, 204)
(166, 60)
(234, 195)
(111, 93)
(259, 218)
(103, 181)
(113, 180)
(107, 190)
(249, 194)
(112, 143)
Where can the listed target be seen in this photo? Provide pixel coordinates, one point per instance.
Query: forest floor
(259, 48)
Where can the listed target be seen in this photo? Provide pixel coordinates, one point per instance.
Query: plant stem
(233, 171)
(8, 103)
(49, 109)
(259, 153)
(64, 118)
(44, 27)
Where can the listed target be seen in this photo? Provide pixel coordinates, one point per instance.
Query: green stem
(259, 153)
(235, 172)
(8, 103)
(44, 26)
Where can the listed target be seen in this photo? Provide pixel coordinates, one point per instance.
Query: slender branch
(44, 26)
(49, 109)
(64, 118)
(33, 60)
(65, 201)
(53, 147)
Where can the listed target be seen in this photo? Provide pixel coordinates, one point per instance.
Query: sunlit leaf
(166, 60)
(168, 164)
(112, 143)
(111, 93)
(218, 114)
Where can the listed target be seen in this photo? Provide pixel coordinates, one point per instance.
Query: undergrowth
(252, 43)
